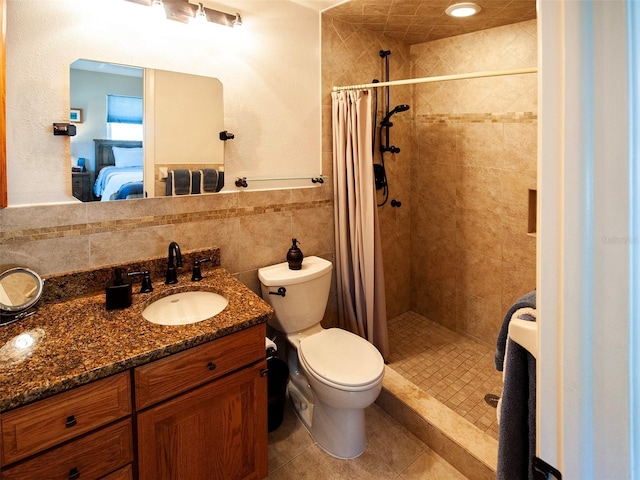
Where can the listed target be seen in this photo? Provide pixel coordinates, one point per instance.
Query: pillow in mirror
(127, 157)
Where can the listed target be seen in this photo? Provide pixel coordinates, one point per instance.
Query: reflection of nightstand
(81, 186)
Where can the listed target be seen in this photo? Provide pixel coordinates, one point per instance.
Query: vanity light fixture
(201, 16)
(465, 9)
(186, 12)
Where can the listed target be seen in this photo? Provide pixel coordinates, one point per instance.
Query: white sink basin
(185, 308)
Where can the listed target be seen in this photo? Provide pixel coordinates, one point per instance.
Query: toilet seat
(341, 359)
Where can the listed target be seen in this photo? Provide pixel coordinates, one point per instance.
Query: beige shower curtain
(359, 271)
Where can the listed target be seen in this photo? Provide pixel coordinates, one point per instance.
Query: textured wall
(269, 69)
(475, 147)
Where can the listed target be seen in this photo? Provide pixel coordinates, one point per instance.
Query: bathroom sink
(185, 308)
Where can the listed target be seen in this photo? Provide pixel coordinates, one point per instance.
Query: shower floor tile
(457, 370)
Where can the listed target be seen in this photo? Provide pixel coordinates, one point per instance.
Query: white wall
(270, 70)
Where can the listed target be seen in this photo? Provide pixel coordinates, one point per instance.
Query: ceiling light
(465, 9)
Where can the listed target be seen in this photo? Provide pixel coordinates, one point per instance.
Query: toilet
(334, 374)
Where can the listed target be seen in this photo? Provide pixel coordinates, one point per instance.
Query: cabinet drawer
(89, 457)
(43, 424)
(178, 373)
(125, 473)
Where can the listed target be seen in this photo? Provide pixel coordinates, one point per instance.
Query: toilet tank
(306, 292)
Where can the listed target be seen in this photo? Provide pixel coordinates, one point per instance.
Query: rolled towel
(220, 180)
(209, 179)
(181, 184)
(196, 181)
(528, 300)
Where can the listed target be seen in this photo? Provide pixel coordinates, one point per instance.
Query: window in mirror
(124, 117)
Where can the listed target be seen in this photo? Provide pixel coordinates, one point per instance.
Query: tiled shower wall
(458, 251)
(475, 149)
(351, 55)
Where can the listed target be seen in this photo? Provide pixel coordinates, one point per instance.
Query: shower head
(398, 108)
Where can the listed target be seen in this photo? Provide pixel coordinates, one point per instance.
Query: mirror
(134, 138)
(20, 289)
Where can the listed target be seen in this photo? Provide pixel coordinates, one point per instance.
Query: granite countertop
(77, 341)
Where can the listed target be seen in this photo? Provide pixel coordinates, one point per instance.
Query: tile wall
(351, 55)
(252, 229)
(458, 251)
(475, 161)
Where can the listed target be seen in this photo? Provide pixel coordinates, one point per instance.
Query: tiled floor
(392, 453)
(453, 368)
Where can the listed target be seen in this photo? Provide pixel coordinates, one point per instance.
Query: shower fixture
(398, 108)
(380, 174)
(386, 124)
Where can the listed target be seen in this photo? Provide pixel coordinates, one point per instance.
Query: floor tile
(457, 370)
(392, 453)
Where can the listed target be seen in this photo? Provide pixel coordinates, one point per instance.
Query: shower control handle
(281, 291)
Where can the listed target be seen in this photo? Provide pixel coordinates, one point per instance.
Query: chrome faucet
(172, 276)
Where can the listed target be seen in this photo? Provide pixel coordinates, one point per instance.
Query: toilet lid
(342, 358)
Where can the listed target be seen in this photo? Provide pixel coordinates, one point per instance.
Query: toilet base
(339, 432)
(302, 405)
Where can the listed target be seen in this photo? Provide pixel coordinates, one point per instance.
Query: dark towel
(517, 445)
(181, 183)
(220, 181)
(209, 179)
(528, 300)
(130, 190)
(195, 181)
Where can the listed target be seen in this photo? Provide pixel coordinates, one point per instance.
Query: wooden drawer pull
(211, 366)
(71, 421)
(74, 474)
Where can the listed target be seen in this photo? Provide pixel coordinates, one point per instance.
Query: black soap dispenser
(294, 256)
(118, 291)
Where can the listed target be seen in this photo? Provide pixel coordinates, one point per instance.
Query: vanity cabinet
(203, 412)
(94, 420)
(199, 414)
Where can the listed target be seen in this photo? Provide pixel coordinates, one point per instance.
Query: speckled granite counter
(77, 340)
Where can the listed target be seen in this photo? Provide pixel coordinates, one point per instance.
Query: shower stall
(459, 239)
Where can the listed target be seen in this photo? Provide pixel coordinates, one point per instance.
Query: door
(216, 432)
(587, 252)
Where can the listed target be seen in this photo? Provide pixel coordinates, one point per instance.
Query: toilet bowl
(334, 374)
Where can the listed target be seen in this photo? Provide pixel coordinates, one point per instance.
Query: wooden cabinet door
(216, 432)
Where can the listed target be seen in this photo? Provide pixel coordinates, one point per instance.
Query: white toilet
(335, 374)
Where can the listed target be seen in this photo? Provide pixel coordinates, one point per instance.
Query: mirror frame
(3, 106)
(16, 311)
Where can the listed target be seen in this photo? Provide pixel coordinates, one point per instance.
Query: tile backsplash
(251, 229)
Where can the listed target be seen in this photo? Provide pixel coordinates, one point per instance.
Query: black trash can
(277, 379)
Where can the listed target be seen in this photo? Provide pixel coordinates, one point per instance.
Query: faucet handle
(146, 285)
(196, 276)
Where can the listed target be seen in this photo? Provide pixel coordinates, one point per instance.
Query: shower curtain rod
(443, 78)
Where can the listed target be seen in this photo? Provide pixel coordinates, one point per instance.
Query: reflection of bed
(118, 169)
